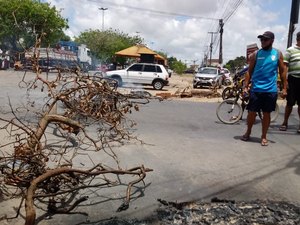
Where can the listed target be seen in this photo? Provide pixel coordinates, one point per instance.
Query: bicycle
(230, 111)
(232, 91)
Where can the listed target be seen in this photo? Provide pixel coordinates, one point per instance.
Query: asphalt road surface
(196, 157)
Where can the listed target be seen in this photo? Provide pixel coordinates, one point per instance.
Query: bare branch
(57, 143)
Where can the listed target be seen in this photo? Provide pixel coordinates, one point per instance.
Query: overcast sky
(182, 28)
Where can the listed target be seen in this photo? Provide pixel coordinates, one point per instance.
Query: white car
(207, 76)
(141, 73)
(226, 72)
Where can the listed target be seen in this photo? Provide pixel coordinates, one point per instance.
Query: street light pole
(103, 9)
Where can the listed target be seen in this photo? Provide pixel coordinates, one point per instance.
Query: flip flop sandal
(283, 128)
(264, 142)
(245, 138)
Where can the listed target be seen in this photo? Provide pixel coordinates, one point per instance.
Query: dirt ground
(181, 87)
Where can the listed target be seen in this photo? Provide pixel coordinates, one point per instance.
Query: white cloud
(184, 35)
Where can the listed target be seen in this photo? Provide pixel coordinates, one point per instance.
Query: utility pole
(103, 9)
(293, 20)
(194, 61)
(205, 56)
(221, 23)
(211, 46)
(194, 64)
(205, 59)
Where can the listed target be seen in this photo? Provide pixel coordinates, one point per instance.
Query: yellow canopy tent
(160, 59)
(137, 51)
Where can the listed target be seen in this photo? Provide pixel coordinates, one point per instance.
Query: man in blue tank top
(262, 73)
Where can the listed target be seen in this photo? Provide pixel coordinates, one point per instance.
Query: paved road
(207, 158)
(195, 157)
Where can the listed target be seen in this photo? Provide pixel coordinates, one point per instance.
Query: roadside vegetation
(22, 22)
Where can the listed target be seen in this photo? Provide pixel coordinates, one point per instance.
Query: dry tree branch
(91, 112)
(29, 203)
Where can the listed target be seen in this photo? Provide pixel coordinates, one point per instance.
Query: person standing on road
(263, 72)
(292, 61)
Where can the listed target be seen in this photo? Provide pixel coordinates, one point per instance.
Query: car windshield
(208, 70)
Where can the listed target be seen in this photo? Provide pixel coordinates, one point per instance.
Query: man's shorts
(262, 101)
(293, 92)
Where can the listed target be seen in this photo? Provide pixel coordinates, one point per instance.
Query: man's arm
(248, 74)
(283, 67)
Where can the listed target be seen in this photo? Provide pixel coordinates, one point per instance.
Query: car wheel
(157, 85)
(194, 86)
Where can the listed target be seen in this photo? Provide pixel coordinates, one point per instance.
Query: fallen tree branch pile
(56, 143)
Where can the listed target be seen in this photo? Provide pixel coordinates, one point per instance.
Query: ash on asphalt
(221, 212)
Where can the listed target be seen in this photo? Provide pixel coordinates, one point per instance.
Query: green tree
(176, 65)
(65, 37)
(179, 67)
(236, 64)
(163, 54)
(104, 44)
(22, 22)
(171, 61)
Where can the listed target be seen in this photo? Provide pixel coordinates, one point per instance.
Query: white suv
(141, 73)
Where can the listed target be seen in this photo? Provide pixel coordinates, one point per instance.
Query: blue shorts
(262, 101)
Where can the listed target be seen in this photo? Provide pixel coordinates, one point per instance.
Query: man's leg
(265, 126)
(291, 101)
(250, 121)
(298, 131)
(287, 112)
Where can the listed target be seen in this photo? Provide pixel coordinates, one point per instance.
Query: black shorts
(293, 91)
(262, 101)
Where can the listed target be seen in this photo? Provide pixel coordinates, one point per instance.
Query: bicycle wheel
(229, 111)
(227, 93)
(274, 114)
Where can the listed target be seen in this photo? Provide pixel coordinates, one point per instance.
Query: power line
(230, 9)
(226, 8)
(213, 27)
(216, 41)
(165, 13)
(234, 9)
